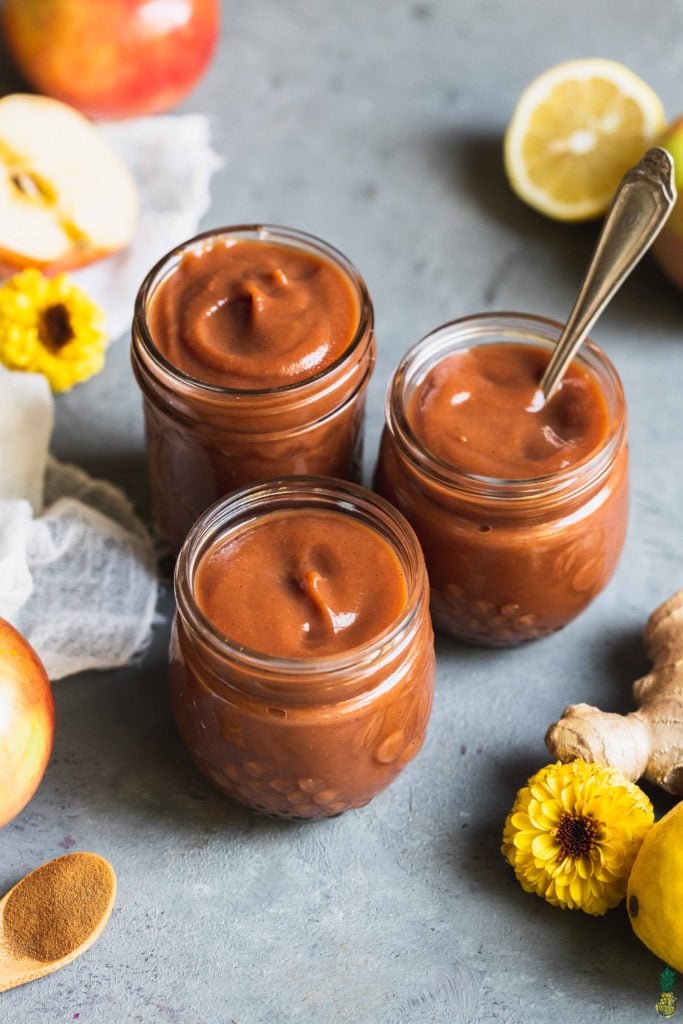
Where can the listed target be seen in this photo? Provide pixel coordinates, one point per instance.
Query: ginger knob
(647, 742)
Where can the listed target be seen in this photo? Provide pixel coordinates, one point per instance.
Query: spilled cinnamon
(52, 911)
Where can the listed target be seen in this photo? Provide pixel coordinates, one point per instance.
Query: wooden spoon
(78, 888)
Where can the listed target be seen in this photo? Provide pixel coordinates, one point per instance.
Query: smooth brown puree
(301, 584)
(251, 315)
(480, 411)
(507, 565)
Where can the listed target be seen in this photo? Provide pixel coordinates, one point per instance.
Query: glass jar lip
(492, 324)
(278, 233)
(319, 489)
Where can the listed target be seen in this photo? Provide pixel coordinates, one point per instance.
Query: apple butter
(307, 583)
(253, 347)
(302, 655)
(520, 505)
(252, 314)
(480, 410)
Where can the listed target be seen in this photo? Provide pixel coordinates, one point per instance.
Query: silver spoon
(641, 205)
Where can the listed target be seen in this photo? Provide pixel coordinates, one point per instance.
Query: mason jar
(508, 560)
(205, 440)
(302, 737)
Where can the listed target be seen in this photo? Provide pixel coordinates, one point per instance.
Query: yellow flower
(50, 326)
(573, 834)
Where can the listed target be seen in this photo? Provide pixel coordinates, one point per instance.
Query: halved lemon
(575, 132)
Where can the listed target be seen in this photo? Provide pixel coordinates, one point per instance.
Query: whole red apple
(668, 248)
(118, 58)
(27, 722)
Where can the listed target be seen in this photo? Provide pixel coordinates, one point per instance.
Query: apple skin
(116, 59)
(27, 722)
(10, 263)
(668, 247)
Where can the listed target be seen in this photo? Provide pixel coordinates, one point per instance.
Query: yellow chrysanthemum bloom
(573, 834)
(50, 326)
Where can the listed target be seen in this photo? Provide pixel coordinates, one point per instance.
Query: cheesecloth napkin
(78, 572)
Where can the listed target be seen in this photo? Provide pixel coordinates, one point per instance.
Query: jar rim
(246, 504)
(488, 328)
(277, 233)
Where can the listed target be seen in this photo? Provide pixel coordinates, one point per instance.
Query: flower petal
(583, 861)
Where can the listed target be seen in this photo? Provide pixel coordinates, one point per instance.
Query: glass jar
(508, 560)
(204, 441)
(300, 738)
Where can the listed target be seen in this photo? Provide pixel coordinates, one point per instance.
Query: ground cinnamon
(54, 909)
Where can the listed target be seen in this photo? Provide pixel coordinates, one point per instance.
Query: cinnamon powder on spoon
(52, 911)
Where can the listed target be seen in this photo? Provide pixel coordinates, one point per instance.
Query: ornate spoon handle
(641, 205)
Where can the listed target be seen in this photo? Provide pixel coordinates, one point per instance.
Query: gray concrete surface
(376, 124)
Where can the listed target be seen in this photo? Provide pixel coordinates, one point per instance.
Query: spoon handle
(12, 976)
(641, 205)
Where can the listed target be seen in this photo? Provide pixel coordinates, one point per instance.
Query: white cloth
(77, 576)
(94, 573)
(26, 419)
(172, 162)
(77, 566)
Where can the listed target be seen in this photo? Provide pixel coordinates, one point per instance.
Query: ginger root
(648, 742)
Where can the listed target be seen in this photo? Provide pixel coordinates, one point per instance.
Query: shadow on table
(623, 661)
(118, 755)
(472, 161)
(602, 951)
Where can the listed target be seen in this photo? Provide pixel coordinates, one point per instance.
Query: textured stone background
(376, 124)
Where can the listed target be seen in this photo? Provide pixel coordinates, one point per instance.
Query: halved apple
(66, 198)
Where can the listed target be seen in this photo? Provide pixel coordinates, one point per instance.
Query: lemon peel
(655, 889)
(50, 326)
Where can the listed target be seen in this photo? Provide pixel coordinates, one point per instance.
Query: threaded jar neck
(512, 495)
(299, 680)
(176, 381)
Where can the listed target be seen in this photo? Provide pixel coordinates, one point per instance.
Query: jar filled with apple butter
(302, 652)
(253, 347)
(520, 504)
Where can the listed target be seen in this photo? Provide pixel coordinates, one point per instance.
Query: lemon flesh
(575, 131)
